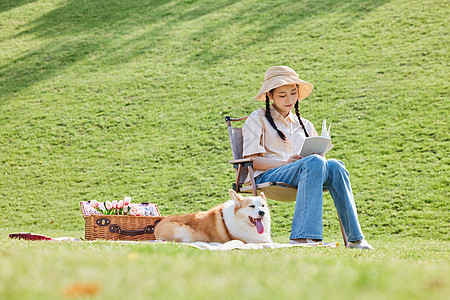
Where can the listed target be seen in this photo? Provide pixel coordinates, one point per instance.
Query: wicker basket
(124, 228)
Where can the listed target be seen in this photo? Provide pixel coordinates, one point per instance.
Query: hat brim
(305, 88)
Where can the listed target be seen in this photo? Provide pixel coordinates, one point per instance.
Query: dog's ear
(236, 197)
(263, 196)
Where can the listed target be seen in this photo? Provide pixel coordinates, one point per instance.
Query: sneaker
(361, 244)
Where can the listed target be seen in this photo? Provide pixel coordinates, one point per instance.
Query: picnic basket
(123, 228)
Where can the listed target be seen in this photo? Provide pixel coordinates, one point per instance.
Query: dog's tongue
(259, 226)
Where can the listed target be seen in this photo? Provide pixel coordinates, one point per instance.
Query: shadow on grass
(267, 20)
(83, 29)
(8, 5)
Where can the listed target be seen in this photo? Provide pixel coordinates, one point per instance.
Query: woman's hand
(264, 163)
(293, 158)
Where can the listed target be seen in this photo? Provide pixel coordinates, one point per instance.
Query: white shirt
(259, 137)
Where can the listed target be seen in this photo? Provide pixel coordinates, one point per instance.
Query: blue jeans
(311, 175)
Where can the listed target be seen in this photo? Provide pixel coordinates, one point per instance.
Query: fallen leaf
(80, 289)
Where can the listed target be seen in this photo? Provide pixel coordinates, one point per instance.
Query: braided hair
(297, 112)
(270, 119)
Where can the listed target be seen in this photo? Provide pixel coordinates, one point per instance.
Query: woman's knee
(335, 165)
(315, 161)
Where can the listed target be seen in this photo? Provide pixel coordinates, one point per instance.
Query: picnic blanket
(239, 245)
(231, 245)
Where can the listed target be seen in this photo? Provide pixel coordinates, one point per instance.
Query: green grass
(46, 270)
(102, 99)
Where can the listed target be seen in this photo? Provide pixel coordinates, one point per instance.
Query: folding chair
(278, 191)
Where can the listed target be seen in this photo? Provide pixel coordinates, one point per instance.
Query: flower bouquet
(122, 208)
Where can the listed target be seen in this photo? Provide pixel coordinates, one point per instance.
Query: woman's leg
(308, 174)
(338, 184)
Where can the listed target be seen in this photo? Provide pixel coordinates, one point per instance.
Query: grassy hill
(106, 99)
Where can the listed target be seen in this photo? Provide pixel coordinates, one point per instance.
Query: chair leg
(344, 236)
(252, 179)
(238, 177)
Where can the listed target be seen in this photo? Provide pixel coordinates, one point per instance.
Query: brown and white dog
(241, 218)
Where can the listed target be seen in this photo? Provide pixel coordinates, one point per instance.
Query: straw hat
(279, 76)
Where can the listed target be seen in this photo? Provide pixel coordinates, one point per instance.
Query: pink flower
(108, 205)
(120, 204)
(114, 204)
(94, 203)
(126, 201)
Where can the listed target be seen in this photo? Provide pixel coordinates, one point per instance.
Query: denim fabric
(311, 175)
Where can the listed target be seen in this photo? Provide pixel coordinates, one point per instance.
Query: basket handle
(149, 229)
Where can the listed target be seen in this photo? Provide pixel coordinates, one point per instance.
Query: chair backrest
(236, 143)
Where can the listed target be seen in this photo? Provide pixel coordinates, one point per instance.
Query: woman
(273, 137)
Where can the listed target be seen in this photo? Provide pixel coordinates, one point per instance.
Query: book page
(326, 133)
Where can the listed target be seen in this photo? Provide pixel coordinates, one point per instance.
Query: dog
(241, 218)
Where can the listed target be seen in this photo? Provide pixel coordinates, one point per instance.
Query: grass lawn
(105, 99)
(400, 269)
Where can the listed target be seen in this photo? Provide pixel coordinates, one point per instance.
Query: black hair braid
(297, 112)
(269, 117)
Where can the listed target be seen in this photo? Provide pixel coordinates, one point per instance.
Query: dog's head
(253, 209)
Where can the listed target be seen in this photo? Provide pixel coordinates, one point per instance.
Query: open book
(318, 144)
